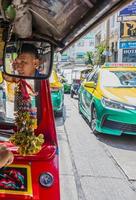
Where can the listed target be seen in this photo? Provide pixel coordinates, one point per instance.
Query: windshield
(123, 79)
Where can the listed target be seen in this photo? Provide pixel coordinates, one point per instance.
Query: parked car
(67, 87)
(108, 99)
(57, 93)
(52, 26)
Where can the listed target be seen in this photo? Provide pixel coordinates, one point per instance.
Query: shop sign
(129, 55)
(127, 44)
(129, 10)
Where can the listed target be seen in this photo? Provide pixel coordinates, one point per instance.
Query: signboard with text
(128, 29)
(129, 10)
(129, 55)
(127, 44)
(126, 18)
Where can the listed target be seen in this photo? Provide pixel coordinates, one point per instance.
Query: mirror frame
(44, 77)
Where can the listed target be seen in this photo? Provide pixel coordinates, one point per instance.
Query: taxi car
(67, 87)
(57, 93)
(108, 99)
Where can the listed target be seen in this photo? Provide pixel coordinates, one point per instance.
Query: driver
(27, 63)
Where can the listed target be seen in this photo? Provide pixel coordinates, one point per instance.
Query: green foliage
(98, 55)
(89, 57)
(96, 58)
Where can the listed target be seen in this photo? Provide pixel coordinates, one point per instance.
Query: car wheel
(61, 112)
(93, 120)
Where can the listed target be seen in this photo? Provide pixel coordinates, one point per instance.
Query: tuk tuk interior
(60, 23)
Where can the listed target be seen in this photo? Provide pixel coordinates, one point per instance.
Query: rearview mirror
(28, 59)
(90, 84)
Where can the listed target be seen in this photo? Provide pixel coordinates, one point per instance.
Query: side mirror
(28, 59)
(90, 84)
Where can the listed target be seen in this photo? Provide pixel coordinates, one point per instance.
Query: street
(94, 167)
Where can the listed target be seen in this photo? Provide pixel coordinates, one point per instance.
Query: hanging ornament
(28, 143)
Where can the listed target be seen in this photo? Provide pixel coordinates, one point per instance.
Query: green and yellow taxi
(67, 87)
(107, 98)
(57, 93)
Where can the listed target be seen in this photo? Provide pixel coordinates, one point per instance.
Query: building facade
(117, 34)
(77, 52)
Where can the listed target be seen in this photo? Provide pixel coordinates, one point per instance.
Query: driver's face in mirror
(27, 62)
(28, 59)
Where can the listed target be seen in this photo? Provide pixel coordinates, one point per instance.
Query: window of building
(91, 43)
(80, 55)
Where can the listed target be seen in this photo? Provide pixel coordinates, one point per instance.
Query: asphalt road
(94, 167)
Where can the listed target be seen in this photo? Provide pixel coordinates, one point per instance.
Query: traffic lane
(85, 145)
(122, 149)
(97, 176)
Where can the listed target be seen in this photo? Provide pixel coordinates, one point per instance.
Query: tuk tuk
(30, 32)
(57, 93)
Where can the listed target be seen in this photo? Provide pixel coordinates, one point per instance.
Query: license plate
(16, 179)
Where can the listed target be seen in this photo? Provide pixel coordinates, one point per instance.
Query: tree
(98, 55)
